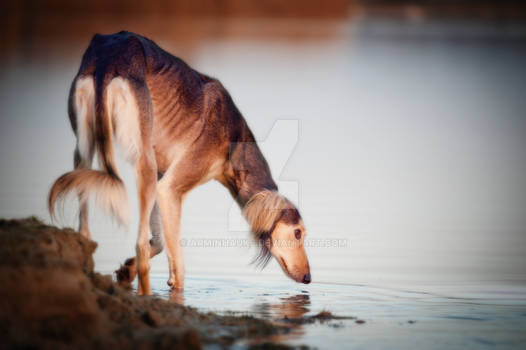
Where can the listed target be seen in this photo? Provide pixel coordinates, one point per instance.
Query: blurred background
(412, 127)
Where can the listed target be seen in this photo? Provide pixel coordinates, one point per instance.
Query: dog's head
(278, 227)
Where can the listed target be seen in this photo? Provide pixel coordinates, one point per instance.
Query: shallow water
(410, 155)
(395, 318)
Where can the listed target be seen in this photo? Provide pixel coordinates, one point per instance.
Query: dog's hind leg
(146, 182)
(82, 115)
(127, 272)
(83, 203)
(132, 112)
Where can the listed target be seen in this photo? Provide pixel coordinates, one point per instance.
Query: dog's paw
(127, 272)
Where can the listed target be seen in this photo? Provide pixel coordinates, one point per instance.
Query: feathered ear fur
(262, 212)
(263, 257)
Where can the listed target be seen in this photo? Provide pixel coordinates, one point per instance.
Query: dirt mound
(50, 297)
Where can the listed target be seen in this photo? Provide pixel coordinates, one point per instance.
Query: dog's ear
(262, 259)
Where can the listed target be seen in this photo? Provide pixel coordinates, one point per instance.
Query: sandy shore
(51, 297)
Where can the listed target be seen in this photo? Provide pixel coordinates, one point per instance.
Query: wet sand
(51, 297)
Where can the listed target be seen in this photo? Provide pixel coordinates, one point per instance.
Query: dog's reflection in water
(290, 307)
(288, 312)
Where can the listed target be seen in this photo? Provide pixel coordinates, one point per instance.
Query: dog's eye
(297, 233)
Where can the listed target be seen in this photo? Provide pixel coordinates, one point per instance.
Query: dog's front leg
(170, 202)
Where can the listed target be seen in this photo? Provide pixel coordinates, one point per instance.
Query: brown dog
(179, 128)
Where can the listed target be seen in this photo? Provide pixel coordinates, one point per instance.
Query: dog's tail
(98, 132)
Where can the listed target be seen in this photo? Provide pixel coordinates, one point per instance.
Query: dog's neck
(248, 172)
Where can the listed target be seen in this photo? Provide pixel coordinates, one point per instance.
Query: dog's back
(171, 122)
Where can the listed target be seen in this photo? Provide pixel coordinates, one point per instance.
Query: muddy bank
(51, 297)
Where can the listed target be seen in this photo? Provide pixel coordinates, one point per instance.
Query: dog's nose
(306, 278)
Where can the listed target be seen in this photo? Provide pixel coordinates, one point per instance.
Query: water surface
(395, 318)
(410, 153)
